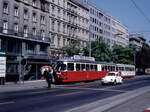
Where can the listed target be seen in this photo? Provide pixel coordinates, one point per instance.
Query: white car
(112, 78)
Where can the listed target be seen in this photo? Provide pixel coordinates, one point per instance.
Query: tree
(143, 58)
(72, 49)
(99, 50)
(123, 55)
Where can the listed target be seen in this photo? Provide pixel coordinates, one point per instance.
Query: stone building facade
(69, 21)
(105, 26)
(138, 40)
(34, 30)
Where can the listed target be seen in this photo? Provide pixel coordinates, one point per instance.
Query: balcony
(20, 35)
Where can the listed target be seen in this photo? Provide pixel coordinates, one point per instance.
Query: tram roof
(85, 61)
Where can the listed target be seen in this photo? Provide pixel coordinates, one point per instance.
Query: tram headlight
(58, 74)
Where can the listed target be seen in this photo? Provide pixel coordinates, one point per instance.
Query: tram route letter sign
(2, 65)
(84, 58)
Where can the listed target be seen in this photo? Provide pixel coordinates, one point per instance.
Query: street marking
(30, 93)
(5, 103)
(100, 101)
(94, 103)
(104, 89)
(38, 92)
(70, 93)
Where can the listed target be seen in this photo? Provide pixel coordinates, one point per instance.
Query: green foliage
(102, 52)
(143, 58)
(124, 55)
(72, 49)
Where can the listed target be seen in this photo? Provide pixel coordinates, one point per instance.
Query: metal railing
(21, 35)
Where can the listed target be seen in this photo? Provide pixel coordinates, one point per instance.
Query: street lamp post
(90, 41)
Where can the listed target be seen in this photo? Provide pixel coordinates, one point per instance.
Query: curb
(7, 83)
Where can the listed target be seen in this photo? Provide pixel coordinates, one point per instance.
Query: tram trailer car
(77, 70)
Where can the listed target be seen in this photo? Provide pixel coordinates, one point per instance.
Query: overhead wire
(141, 11)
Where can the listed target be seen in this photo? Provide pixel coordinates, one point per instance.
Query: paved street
(132, 96)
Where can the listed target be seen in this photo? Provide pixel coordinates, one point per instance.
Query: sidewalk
(27, 85)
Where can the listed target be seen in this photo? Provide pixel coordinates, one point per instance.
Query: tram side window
(133, 69)
(120, 69)
(113, 68)
(92, 68)
(87, 67)
(63, 67)
(130, 69)
(95, 66)
(70, 67)
(117, 69)
(83, 67)
(106, 68)
(127, 68)
(78, 67)
(109, 68)
(103, 68)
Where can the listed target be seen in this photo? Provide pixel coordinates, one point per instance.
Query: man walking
(49, 75)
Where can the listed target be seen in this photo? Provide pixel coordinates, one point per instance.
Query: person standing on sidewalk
(47, 78)
(48, 74)
(52, 74)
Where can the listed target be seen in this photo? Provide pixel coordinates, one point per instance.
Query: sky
(126, 12)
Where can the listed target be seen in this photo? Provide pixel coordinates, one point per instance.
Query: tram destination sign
(77, 57)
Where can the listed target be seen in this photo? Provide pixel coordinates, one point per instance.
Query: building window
(52, 39)
(58, 27)
(5, 26)
(53, 9)
(25, 14)
(43, 34)
(58, 2)
(34, 3)
(64, 14)
(64, 28)
(53, 25)
(34, 31)
(34, 17)
(25, 1)
(5, 8)
(58, 42)
(42, 19)
(64, 42)
(43, 50)
(16, 28)
(58, 12)
(16, 11)
(64, 3)
(30, 48)
(25, 30)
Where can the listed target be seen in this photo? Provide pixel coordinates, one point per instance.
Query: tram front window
(61, 67)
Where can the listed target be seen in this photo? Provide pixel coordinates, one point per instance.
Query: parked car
(112, 78)
(147, 110)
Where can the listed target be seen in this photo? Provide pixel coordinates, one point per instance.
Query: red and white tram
(81, 68)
